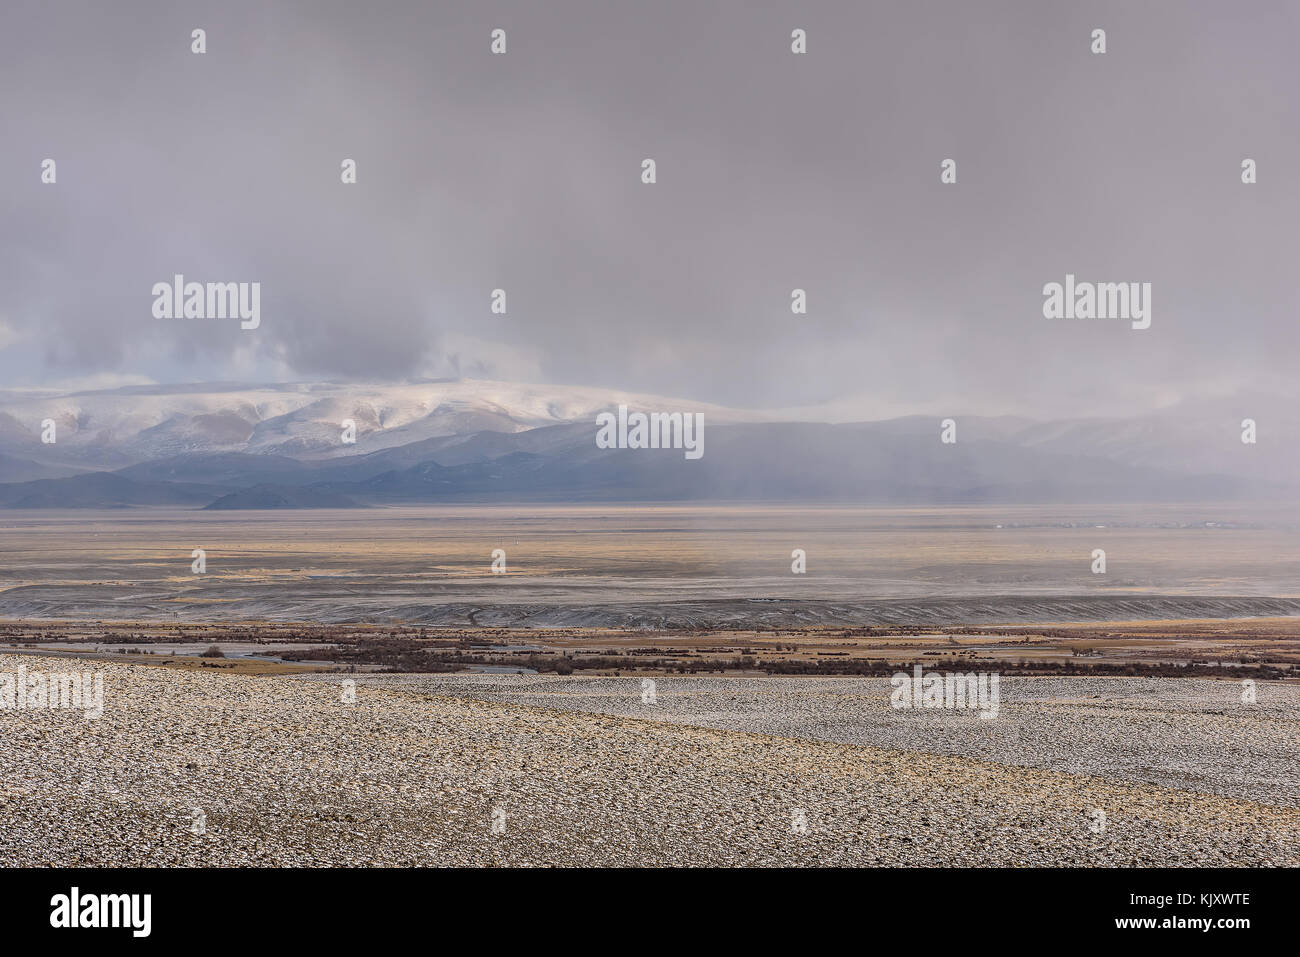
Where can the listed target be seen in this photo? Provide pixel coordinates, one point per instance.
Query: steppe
(212, 768)
(652, 566)
(768, 738)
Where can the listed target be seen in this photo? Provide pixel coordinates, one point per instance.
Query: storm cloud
(775, 171)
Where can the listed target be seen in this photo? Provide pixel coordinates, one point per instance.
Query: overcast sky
(775, 171)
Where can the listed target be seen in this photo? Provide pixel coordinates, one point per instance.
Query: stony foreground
(285, 772)
(1190, 734)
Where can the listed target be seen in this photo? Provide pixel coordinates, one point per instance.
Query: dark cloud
(775, 171)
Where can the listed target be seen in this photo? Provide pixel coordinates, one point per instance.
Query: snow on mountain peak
(303, 419)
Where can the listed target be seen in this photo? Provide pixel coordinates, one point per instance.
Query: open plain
(229, 736)
(652, 566)
(287, 771)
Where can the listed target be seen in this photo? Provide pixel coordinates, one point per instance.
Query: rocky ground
(1195, 734)
(284, 771)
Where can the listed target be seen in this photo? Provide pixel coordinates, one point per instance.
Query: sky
(775, 171)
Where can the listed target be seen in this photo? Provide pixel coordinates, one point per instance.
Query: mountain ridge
(469, 440)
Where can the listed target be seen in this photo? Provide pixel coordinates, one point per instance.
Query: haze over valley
(282, 446)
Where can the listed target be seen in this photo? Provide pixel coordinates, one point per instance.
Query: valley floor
(423, 771)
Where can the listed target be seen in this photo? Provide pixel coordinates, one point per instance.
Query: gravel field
(1194, 734)
(285, 772)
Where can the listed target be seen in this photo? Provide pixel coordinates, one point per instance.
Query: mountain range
(227, 446)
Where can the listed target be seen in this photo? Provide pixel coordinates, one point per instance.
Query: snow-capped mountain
(138, 423)
(437, 440)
